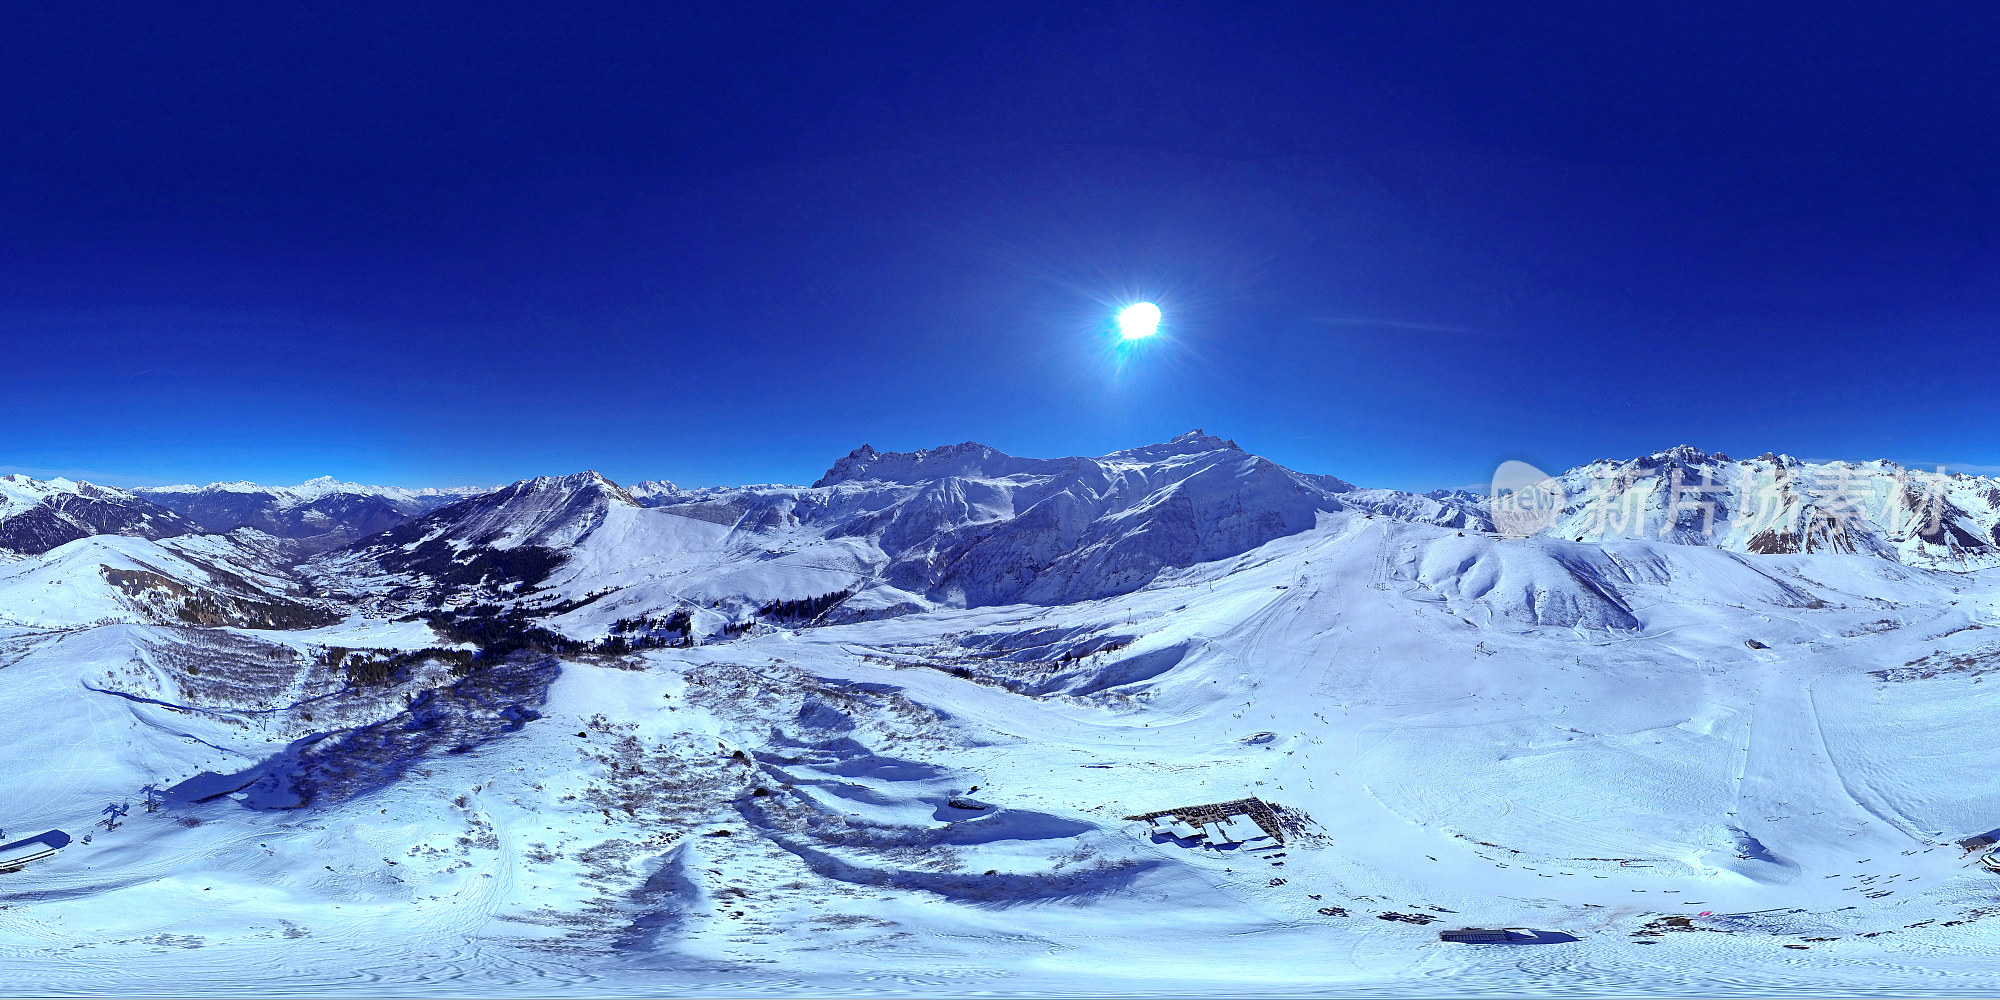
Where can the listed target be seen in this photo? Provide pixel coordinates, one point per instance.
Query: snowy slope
(113, 578)
(1700, 770)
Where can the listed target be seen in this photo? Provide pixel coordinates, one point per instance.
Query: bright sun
(1138, 320)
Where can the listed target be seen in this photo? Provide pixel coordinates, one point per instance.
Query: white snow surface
(1696, 770)
(70, 585)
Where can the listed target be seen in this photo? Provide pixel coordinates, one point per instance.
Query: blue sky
(422, 244)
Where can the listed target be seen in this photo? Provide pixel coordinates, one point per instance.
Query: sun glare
(1138, 320)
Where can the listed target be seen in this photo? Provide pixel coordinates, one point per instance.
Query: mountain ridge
(1773, 503)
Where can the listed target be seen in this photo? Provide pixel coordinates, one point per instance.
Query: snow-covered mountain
(958, 526)
(903, 726)
(500, 541)
(321, 513)
(37, 515)
(967, 525)
(1779, 504)
(198, 580)
(937, 515)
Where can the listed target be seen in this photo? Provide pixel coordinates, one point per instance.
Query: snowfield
(882, 734)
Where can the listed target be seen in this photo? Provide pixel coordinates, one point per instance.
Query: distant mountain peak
(579, 484)
(1685, 454)
(319, 512)
(592, 477)
(651, 488)
(1194, 442)
(972, 459)
(1204, 440)
(967, 458)
(312, 489)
